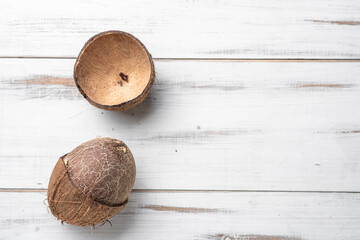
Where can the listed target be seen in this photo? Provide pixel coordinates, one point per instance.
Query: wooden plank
(206, 125)
(196, 215)
(186, 29)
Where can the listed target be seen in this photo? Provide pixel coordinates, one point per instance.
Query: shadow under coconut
(124, 223)
(137, 114)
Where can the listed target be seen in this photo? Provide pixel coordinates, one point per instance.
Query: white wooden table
(251, 131)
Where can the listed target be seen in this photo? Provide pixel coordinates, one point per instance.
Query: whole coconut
(92, 183)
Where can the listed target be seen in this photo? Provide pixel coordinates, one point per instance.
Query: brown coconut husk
(68, 204)
(114, 71)
(92, 183)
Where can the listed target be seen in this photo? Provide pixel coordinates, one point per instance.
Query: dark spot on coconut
(175, 150)
(124, 77)
(120, 83)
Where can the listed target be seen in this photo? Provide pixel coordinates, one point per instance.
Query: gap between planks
(187, 191)
(211, 59)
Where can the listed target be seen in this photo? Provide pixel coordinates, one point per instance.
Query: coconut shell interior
(112, 69)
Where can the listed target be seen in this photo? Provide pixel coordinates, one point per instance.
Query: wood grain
(206, 125)
(351, 23)
(46, 80)
(179, 209)
(186, 29)
(234, 216)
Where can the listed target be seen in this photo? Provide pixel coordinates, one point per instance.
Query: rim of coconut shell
(127, 104)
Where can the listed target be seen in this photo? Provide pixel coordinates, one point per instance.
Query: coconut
(92, 183)
(114, 71)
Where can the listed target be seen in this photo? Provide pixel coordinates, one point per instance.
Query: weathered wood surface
(195, 215)
(206, 125)
(284, 134)
(186, 29)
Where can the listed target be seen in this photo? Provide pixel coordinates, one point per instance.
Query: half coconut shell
(114, 71)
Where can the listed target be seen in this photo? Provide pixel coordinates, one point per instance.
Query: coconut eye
(124, 77)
